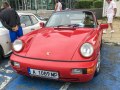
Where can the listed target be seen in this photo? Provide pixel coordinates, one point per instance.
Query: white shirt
(59, 6)
(111, 7)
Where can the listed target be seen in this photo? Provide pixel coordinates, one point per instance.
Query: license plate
(43, 73)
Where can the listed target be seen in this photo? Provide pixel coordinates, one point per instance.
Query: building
(118, 7)
(38, 4)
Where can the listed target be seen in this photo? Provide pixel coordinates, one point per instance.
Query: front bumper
(63, 68)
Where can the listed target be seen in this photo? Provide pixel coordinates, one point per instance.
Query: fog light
(16, 64)
(77, 71)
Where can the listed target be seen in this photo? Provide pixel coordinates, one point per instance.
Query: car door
(4, 39)
(25, 19)
(35, 22)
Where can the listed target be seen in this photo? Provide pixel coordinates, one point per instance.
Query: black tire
(99, 59)
(101, 44)
(1, 53)
(97, 71)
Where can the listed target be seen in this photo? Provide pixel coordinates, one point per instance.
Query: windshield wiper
(62, 26)
(69, 25)
(74, 25)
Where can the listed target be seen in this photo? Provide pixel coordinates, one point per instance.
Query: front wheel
(98, 65)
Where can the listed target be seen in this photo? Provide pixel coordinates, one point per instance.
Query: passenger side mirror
(42, 24)
(23, 25)
(103, 26)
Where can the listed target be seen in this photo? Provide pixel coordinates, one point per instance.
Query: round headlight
(86, 50)
(17, 45)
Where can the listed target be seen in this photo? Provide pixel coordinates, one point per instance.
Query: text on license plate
(43, 73)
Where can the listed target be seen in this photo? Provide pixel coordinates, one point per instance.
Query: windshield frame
(71, 11)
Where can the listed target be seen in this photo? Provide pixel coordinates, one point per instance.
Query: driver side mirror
(42, 24)
(103, 26)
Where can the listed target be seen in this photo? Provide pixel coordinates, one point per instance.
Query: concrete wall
(106, 5)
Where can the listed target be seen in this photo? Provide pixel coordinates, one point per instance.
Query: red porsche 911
(67, 48)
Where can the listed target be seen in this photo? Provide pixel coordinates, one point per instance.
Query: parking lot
(108, 79)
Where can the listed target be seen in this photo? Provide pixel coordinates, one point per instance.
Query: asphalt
(108, 79)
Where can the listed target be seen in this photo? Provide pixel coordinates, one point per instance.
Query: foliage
(98, 4)
(88, 4)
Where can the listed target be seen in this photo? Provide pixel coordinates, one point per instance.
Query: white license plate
(43, 73)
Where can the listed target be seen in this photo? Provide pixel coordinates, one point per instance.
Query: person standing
(111, 13)
(58, 6)
(11, 20)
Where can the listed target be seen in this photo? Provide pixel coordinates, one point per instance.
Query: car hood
(55, 44)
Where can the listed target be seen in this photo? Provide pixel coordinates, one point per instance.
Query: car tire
(1, 54)
(97, 71)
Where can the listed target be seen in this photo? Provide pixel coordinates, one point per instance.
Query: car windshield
(72, 18)
(1, 26)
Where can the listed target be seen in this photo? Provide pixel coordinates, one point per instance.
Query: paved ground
(113, 37)
(108, 79)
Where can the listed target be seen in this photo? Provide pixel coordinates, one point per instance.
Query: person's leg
(105, 30)
(110, 22)
(13, 36)
(19, 32)
(111, 26)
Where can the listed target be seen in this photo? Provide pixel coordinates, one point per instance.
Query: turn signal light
(91, 70)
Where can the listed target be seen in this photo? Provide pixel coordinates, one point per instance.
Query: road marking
(2, 69)
(5, 70)
(65, 86)
(7, 65)
(9, 71)
(1, 75)
(8, 79)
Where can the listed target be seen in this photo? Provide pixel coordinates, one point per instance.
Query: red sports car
(67, 48)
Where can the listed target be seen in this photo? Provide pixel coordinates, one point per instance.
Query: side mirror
(103, 26)
(42, 24)
(23, 25)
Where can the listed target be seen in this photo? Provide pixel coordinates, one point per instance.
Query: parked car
(29, 22)
(67, 48)
(40, 17)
